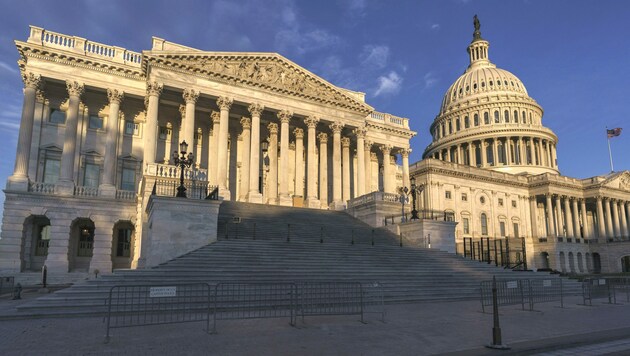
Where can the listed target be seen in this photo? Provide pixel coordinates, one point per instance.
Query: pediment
(620, 180)
(269, 71)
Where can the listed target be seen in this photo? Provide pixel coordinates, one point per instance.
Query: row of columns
(516, 151)
(612, 217)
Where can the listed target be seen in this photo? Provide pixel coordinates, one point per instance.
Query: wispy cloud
(435, 26)
(388, 84)
(10, 126)
(374, 56)
(292, 38)
(430, 80)
(357, 7)
(9, 68)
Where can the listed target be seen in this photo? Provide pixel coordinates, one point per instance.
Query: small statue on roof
(477, 33)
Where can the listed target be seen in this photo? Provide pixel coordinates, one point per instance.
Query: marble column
(311, 161)
(560, 225)
(405, 165)
(345, 166)
(553, 156)
(601, 224)
(190, 98)
(615, 217)
(19, 180)
(213, 158)
(272, 177)
(168, 142)
(337, 202)
(551, 230)
(323, 169)
(66, 177)
(360, 188)
(245, 161)
(471, 154)
(568, 217)
(224, 104)
(299, 162)
(107, 186)
(609, 223)
(532, 151)
(533, 208)
(154, 89)
(522, 153)
(387, 175)
(484, 153)
(585, 226)
(254, 196)
(576, 217)
(283, 192)
(624, 222)
(367, 145)
(495, 152)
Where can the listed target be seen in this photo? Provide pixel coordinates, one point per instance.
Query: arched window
(506, 116)
(491, 83)
(443, 131)
(497, 119)
(501, 152)
(457, 127)
(467, 122)
(484, 224)
(530, 118)
(516, 116)
(486, 119)
(523, 117)
(450, 127)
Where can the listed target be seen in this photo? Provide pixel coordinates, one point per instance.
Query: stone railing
(82, 191)
(125, 194)
(374, 196)
(168, 171)
(41, 188)
(79, 191)
(81, 45)
(389, 119)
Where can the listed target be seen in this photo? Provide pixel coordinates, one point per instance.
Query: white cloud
(389, 84)
(435, 26)
(9, 126)
(429, 80)
(374, 56)
(7, 67)
(357, 7)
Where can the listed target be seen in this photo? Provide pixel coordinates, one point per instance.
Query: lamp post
(404, 191)
(414, 190)
(182, 162)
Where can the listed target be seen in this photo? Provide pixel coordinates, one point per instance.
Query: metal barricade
(330, 298)
(374, 299)
(509, 292)
(622, 285)
(596, 288)
(6, 284)
(545, 290)
(245, 300)
(140, 305)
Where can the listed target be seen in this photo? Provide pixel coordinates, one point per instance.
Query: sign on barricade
(330, 298)
(509, 292)
(139, 305)
(545, 290)
(374, 299)
(596, 288)
(245, 300)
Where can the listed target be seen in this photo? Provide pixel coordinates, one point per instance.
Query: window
(450, 127)
(467, 121)
(501, 152)
(464, 197)
(131, 128)
(163, 132)
(491, 83)
(91, 175)
(484, 224)
(506, 116)
(514, 203)
(95, 122)
(502, 228)
(523, 116)
(51, 170)
(500, 201)
(486, 119)
(43, 238)
(482, 200)
(515, 227)
(128, 181)
(515, 116)
(457, 127)
(123, 243)
(497, 119)
(476, 120)
(448, 194)
(443, 132)
(86, 241)
(466, 226)
(57, 117)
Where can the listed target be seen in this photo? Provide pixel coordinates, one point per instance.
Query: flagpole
(612, 169)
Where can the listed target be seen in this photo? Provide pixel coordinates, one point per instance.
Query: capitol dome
(488, 120)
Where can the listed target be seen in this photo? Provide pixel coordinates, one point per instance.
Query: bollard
(44, 276)
(17, 292)
(400, 239)
(372, 237)
(496, 328)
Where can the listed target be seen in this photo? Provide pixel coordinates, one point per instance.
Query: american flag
(613, 132)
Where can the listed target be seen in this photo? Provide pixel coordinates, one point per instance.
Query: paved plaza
(457, 328)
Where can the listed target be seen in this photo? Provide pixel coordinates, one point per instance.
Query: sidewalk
(455, 328)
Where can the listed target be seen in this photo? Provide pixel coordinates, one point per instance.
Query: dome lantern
(478, 48)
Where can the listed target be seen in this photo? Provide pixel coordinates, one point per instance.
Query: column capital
(182, 111)
(31, 80)
(255, 109)
(360, 132)
(284, 116)
(224, 103)
(215, 117)
(246, 122)
(115, 96)
(322, 137)
(345, 142)
(367, 144)
(532, 198)
(311, 121)
(154, 88)
(74, 88)
(405, 152)
(298, 132)
(190, 96)
(273, 128)
(386, 149)
(336, 127)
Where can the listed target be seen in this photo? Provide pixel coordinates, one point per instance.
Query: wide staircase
(269, 243)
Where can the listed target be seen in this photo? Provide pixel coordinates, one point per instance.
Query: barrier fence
(546, 290)
(330, 298)
(140, 305)
(621, 284)
(374, 299)
(510, 292)
(597, 288)
(6, 284)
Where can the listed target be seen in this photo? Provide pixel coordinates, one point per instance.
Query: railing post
(496, 328)
(401, 239)
(372, 237)
(352, 241)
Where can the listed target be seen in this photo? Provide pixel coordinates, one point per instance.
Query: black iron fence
(508, 252)
(6, 284)
(524, 292)
(424, 214)
(598, 288)
(330, 298)
(194, 189)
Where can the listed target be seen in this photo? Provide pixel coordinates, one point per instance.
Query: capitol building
(102, 128)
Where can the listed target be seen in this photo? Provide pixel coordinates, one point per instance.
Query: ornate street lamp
(182, 162)
(404, 191)
(414, 190)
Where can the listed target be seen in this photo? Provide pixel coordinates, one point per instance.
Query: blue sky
(572, 55)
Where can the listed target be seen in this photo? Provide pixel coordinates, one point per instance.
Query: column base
(337, 205)
(18, 183)
(312, 203)
(285, 201)
(64, 187)
(107, 190)
(224, 194)
(254, 198)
